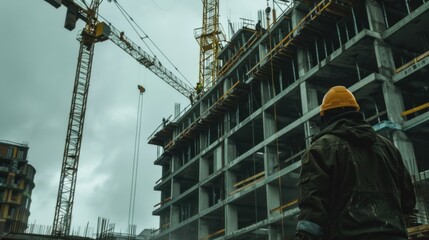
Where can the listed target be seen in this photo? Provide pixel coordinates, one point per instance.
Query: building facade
(16, 185)
(230, 162)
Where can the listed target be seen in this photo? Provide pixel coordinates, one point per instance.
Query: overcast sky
(38, 59)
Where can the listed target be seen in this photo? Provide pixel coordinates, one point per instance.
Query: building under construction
(230, 162)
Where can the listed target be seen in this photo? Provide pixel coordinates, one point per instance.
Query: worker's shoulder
(384, 141)
(327, 140)
(387, 145)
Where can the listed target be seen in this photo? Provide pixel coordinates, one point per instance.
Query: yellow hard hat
(338, 97)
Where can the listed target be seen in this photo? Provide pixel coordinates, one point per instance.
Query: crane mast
(67, 184)
(93, 32)
(209, 39)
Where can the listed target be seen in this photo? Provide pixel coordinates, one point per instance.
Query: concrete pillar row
(392, 95)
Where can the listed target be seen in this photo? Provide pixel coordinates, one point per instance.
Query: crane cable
(276, 121)
(130, 20)
(134, 174)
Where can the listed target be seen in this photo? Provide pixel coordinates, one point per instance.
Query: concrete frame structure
(231, 161)
(16, 185)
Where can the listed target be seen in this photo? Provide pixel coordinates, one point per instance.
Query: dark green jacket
(354, 184)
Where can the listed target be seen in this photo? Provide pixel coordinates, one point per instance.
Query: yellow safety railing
(416, 109)
(237, 56)
(163, 227)
(205, 113)
(164, 176)
(281, 208)
(222, 231)
(163, 202)
(418, 231)
(414, 61)
(286, 41)
(248, 182)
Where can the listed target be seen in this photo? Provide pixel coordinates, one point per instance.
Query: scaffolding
(301, 34)
(216, 110)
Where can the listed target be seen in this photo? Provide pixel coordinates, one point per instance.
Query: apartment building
(16, 185)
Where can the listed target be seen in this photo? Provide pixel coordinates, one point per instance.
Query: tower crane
(209, 37)
(94, 31)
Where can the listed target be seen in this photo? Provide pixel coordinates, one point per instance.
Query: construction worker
(258, 26)
(353, 183)
(199, 89)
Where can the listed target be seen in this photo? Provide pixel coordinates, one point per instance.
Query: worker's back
(367, 182)
(353, 184)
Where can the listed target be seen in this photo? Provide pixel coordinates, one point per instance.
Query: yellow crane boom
(152, 63)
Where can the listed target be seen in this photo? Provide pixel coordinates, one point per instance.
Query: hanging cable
(86, 5)
(130, 20)
(124, 13)
(254, 154)
(134, 174)
(273, 92)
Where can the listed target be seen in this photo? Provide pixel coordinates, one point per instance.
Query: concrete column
(375, 16)
(392, 95)
(230, 180)
(308, 102)
(203, 229)
(383, 53)
(266, 91)
(393, 101)
(274, 233)
(270, 153)
(309, 99)
(227, 122)
(217, 158)
(405, 146)
(270, 160)
(203, 140)
(394, 106)
(269, 123)
(303, 61)
(175, 189)
(204, 168)
(175, 216)
(231, 219)
(384, 57)
(273, 199)
(174, 164)
(230, 151)
(203, 200)
(263, 50)
(401, 141)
